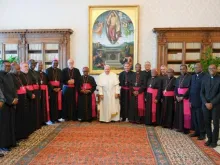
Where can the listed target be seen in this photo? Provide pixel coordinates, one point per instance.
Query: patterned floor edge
(157, 149)
(153, 136)
(27, 158)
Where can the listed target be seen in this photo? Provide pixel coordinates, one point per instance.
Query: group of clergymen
(30, 98)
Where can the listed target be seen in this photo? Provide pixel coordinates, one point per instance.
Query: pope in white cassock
(109, 90)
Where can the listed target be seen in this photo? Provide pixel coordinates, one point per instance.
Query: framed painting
(113, 37)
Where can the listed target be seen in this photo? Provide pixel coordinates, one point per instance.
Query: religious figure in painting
(113, 27)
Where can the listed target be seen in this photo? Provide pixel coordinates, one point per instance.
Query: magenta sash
(168, 93)
(21, 90)
(154, 105)
(55, 83)
(125, 88)
(141, 104)
(29, 87)
(35, 86)
(88, 86)
(45, 88)
(186, 109)
(59, 94)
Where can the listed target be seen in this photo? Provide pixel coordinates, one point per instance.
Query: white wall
(23, 14)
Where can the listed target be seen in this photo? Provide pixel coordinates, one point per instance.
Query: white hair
(107, 66)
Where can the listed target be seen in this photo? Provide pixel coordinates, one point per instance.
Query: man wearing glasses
(210, 95)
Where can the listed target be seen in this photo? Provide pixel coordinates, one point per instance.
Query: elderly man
(22, 109)
(210, 95)
(168, 101)
(147, 71)
(153, 97)
(109, 90)
(26, 80)
(87, 101)
(70, 78)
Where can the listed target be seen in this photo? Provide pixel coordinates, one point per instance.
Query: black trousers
(210, 115)
(198, 121)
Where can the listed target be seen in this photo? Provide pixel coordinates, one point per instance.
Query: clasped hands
(15, 101)
(102, 96)
(71, 81)
(56, 89)
(209, 106)
(85, 91)
(179, 98)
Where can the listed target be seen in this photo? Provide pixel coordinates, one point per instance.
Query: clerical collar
(147, 70)
(197, 74)
(213, 76)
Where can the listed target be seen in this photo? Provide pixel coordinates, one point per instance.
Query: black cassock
(168, 102)
(154, 83)
(31, 118)
(7, 112)
(182, 81)
(125, 93)
(54, 76)
(147, 75)
(22, 109)
(86, 108)
(44, 115)
(136, 112)
(37, 102)
(70, 93)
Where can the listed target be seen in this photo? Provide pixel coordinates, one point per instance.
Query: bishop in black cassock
(87, 100)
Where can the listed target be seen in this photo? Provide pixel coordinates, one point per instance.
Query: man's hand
(180, 98)
(87, 91)
(101, 97)
(1, 104)
(208, 106)
(15, 101)
(155, 101)
(71, 82)
(135, 93)
(177, 98)
(33, 96)
(116, 96)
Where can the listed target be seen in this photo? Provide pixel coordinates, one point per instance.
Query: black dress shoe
(208, 143)
(1, 155)
(201, 138)
(186, 131)
(193, 135)
(213, 145)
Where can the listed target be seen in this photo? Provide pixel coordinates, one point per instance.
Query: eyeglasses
(212, 68)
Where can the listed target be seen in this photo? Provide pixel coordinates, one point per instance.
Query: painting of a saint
(113, 39)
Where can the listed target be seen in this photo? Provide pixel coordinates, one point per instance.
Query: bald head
(85, 71)
(70, 63)
(154, 72)
(198, 68)
(170, 73)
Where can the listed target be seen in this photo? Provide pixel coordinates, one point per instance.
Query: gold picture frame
(113, 37)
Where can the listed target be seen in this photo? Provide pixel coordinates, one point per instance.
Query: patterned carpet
(109, 143)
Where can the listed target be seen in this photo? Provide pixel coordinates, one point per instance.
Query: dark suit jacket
(211, 94)
(196, 83)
